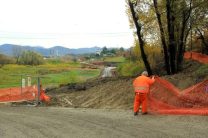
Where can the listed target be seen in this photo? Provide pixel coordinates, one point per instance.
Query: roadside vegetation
(174, 26)
(114, 59)
(202, 70)
(54, 73)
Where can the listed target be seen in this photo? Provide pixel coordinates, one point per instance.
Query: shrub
(130, 68)
(153, 53)
(5, 60)
(43, 71)
(30, 58)
(54, 61)
(73, 77)
(202, 71)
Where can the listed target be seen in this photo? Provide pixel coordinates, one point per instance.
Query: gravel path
(38, 122)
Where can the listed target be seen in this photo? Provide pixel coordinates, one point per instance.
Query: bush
(202, 71)
(153, 53)
(43, 71)
(54, 61)
(130, 68)
(73, 76)
(5, 60)
(30, 58)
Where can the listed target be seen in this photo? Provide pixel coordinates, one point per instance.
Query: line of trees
(168, 23)
(30, 58)
(5, 60)
(112, 51)
(22, 57)
(27, 57)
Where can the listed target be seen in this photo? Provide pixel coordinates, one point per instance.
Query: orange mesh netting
(196, 56)
(164, 98)
(26, 94)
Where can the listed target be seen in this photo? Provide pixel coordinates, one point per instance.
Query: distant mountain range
(8, 49)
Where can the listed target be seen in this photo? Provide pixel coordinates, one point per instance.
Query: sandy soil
(24, 122)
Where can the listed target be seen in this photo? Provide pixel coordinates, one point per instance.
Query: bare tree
(139, 35)
(17, 51)
(162, 36)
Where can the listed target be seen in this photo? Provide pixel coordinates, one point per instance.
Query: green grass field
(53, 74)
(114, 59)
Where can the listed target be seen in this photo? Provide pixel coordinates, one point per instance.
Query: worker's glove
(154, 76)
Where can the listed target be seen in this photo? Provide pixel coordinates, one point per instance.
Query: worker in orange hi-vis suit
(141, 87)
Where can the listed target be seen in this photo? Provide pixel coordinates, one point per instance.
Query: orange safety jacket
(142, 83)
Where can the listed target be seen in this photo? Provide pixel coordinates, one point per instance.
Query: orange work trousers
(140, 99)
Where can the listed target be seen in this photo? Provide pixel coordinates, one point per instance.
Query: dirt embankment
(188, 76)
(114, 93)
(97, 93)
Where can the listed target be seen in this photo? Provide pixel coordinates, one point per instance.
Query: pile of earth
(95, 93)
(113, 93)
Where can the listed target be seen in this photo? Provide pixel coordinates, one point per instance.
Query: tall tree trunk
(172, 42)
(182, 40)
(141, 41)
(185, 38)
(162, 35)
(203, 40)
(181, 43)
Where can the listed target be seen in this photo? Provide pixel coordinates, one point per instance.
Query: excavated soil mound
(117, 93)
(98, 93)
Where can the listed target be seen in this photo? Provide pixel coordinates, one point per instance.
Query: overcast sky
(69, 23)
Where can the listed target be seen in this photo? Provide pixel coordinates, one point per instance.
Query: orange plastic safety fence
(25, 94)
(164, 98)
(196, 56)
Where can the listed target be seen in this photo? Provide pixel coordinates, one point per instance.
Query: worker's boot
(144, 113)
(135, 113)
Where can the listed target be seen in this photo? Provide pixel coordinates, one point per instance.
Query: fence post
(28, 81)
(21, 84)
(38, 99)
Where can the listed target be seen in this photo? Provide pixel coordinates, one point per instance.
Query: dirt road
(53, 122)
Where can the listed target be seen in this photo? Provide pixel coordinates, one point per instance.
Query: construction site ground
(101, 107)
(114, 93)
(51, 122)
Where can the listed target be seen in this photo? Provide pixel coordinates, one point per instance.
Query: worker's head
(144, 73)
